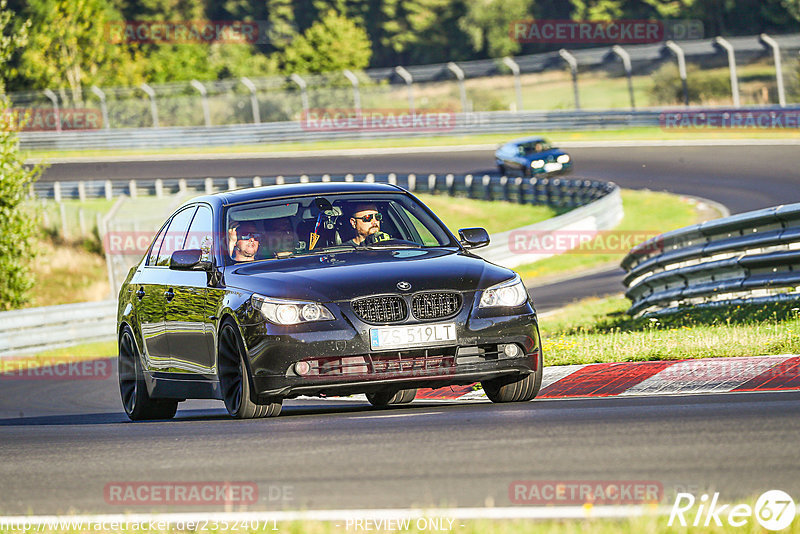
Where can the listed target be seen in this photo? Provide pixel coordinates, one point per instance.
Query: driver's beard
(245, 253)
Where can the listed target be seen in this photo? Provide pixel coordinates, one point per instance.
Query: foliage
(703, 86)
(332, 44)
(487, 25)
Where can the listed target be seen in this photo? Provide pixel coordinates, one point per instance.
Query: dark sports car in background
(260, 295)
(531, 156)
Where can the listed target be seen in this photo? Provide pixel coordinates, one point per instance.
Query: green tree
(70, 47)
(16, 230)
(331, 44)
(487, 24)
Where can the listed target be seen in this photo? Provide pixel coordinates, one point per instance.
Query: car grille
(435, 305)
(409, 363)
(389, 309)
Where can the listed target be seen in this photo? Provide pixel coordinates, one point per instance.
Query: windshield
(276, 229)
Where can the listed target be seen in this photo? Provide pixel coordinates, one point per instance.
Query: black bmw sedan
(260, 295)
(531, 156)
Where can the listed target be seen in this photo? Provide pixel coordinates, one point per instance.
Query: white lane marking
(516, 512)
(404, 150)
(393, 415)
(705, 375)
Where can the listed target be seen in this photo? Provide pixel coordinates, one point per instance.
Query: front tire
(515, 389)
(234, 378)
(136, 402)
(382, 399)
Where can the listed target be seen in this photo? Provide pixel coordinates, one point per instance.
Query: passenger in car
(278, 239)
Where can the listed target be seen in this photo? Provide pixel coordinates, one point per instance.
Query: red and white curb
(677, 377)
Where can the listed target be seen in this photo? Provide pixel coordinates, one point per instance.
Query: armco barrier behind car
(749, 257)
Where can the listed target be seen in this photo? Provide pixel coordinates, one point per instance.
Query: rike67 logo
(774, 510)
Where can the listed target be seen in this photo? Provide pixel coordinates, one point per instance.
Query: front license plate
(550, 167)
(392, 337)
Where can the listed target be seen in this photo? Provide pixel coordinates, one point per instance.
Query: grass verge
(557, 136)
(647, 213)
(598, 331)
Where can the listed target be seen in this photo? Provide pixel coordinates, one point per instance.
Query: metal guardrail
(598, 205)
(50, 327)
(749, 257)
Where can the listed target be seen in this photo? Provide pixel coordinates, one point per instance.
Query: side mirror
(189, 260)
(473, 237)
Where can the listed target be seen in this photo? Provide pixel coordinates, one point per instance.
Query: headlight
(537, 163)
(509, 293)
(287, 312)
(563, 158)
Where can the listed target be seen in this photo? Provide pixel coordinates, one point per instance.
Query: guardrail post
(256, 181)
(348, 177)
(459, 72)
(450, 183)
(57, 191)
(326, 177)
(132, 189)
(231, 183)
(279, 180)
(304, 179)
(431, 183)
(103, 107)
(54, 99)
(159, 188)
(468, 185)
(678, 51)
(728, 47)
(392, 178)
(109, 189)
(626, 63)
(511, 64)
(82, 191)
(412, 182)
(182, 187)
(573, 67)
(504, 185)
(253, 98)
(203, 100)
(776, 56)
(153, 105)
(369, 178)
(406, 76)
(209, 185)
(301, 83)
(356, 94)
(487, 187)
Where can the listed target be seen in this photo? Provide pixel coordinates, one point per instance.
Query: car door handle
(170, 294)
(140, 293)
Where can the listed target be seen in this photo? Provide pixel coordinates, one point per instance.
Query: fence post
(103, 107)
(678, 51)
(573, 67)
(153, 105)
(64, 227)
(776, 55)
(626, 62)
(159, 188)
(182, 187)
(203, 99)
(728, 47)
(406, 76)
(132, 189)
(459, 72)
(54, 99)
(82, 222)
(253, 98)
(82, 191)
(209, 185)
(109, 189)
(301, 83)
(57, 191)
(356, 94)
(511, 64)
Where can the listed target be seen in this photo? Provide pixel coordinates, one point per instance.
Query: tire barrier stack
(750, 257)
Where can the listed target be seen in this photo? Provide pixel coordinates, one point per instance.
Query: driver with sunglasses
(366, 221)
(243, 241)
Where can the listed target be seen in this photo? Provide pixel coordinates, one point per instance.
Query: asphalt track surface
(63, 442)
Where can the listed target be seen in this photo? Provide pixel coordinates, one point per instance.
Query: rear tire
(234, 379)
(132, 388)
(515, 389)
(382, 399)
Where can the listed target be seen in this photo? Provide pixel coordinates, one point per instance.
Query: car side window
(175, 235)
(201, 233)
(153, 256)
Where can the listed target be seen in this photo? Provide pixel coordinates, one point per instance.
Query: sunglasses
(368, 218)
(249, 236)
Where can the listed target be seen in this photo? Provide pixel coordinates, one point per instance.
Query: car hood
(547, 155)
(343, 276)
